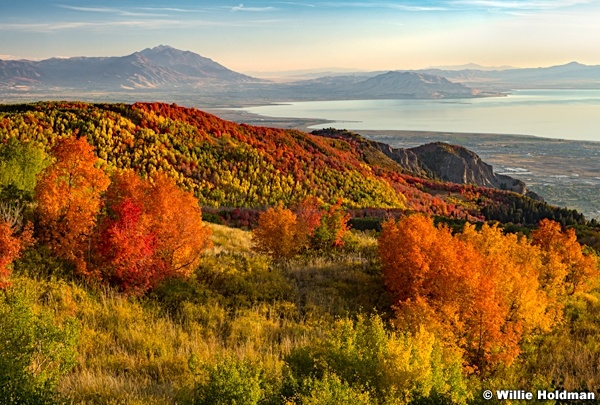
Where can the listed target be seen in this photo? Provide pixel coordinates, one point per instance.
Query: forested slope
(226, 164)
(115, 290)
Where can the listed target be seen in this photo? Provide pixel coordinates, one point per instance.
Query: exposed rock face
(405, 158)
(459, 165)
(442, 161)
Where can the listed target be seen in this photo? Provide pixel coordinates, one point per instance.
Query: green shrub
(35, 352)
(331, 390)
(392, 367)
(230, 382)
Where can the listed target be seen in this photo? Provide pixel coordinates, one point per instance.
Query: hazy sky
(288, 35)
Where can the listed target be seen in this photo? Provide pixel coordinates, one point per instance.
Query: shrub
(391, 367)
(230, 382)
(331, 390)
(35, 352)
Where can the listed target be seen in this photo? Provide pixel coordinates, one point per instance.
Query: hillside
(438, 160)
(392, 85)
(231, 165)
(115, 289)
(409, 85)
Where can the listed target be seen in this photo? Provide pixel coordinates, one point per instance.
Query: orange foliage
(276, 234)
(509, 288)
(176, 220)
(11, 247)
(308, 214)
(68, 194)
(481, 288)
(567, 268)
(283, 233)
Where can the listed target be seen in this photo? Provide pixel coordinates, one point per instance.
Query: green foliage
(392, 367)
(230, 382)
(331, 390)
(20, 163)
(35, 352)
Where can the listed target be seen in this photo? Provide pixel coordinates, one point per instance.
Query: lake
(562, 114)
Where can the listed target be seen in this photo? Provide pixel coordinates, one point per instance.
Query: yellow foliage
(276, 233)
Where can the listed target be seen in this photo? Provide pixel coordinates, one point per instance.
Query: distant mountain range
(158, 67)
(389, 85)
(182, 75)
(570, 75)
(167, 68)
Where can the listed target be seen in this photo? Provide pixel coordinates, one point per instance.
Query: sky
(268, 36)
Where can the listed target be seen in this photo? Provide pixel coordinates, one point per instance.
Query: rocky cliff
(459, 165)
(441, 161)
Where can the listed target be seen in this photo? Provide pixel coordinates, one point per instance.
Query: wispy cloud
(173, 9)
(109, 10)
(150, 24)
(291, 3)
(521, 5)
(241, 7)
(394, 6)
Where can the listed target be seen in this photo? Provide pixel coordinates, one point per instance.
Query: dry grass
(227, 240)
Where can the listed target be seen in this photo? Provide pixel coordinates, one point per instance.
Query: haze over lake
(562, 114)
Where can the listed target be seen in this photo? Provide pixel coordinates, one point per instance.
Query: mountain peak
(192, 64)
(161, 66)
(159, 48)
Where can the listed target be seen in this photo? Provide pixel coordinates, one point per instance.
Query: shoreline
(565, 172)
(303, 124)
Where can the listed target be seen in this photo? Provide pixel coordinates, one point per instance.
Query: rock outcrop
(457, 164)
(439, 160)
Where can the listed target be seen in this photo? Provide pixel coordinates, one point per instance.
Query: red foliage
(126, 249)
(153, 230)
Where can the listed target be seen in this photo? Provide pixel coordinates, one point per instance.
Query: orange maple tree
(283, 233)
(176, 220)
(276, 233)
(480, 289)
(68, 193)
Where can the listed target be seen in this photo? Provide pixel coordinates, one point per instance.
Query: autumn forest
(156, 254)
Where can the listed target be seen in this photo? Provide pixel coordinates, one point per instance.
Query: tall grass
(154, 350)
